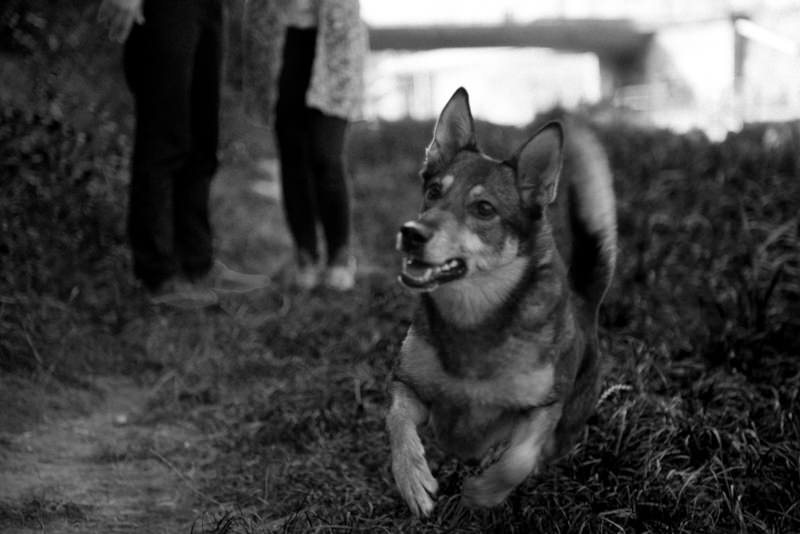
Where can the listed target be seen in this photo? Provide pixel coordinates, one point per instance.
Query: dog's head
(478, 214)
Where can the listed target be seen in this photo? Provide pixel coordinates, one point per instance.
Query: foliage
(63, 200)
(64, 145)
(697, 430)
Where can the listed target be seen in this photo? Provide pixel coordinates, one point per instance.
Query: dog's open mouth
(418, 274)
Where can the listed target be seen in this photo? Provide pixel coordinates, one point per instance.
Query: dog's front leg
(523, 456)
(410, 469)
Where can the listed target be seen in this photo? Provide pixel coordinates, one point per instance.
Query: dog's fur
(513, 262)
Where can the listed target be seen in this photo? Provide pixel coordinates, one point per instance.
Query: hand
(120, 15)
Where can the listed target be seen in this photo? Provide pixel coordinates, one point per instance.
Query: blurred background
(711, 64)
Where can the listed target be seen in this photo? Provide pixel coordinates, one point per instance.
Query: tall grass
(697, 431)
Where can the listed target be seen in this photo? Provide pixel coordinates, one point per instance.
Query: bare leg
(410, 469)
(522, 457)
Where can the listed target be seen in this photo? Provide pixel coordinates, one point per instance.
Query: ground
(98, 463)
(101, 472)
(265, 413)
(133, 448)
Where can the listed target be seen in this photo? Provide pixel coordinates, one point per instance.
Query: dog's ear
(454, 131)
(538, 163)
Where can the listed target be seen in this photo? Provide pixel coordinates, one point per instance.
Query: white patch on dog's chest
(447, 182)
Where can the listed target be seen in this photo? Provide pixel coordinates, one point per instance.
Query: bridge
(620, 44)
(727, 68)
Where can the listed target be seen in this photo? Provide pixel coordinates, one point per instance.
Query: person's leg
(330, 183)
(291, 130)
(158, 62)
(193, 237)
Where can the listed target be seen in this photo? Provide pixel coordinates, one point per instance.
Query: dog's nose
(413, 236)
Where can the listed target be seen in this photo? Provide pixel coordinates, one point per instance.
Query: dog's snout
(414, 235)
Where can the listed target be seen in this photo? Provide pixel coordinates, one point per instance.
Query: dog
(512, 260)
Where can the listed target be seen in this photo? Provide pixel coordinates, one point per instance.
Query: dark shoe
(223, 279)
(180, 293)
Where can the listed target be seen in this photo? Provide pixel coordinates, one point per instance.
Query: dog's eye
(483, 209)
(433, 191)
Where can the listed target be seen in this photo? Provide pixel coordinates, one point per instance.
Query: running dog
(512, 260)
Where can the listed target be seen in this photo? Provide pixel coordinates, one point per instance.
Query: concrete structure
(620, 45)
(707, 72)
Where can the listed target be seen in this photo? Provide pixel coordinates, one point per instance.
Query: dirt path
(115, 470)
(105, 472)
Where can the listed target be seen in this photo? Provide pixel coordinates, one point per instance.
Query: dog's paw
(415, 481)
(484, 491)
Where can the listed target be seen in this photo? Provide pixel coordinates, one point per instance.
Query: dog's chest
(470, 431)
(482, 354)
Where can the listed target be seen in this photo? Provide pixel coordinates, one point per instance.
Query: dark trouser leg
(291, 130)
(193, 239)
(330, 181)
(159, 57)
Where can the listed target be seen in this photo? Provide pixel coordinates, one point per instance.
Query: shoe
(306, 276)
(183, 294)
(341, 275)
(222, 279)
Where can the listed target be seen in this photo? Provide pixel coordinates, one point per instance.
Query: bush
(63, 202)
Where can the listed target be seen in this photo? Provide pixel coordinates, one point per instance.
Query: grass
(40, 511)
(697, 431)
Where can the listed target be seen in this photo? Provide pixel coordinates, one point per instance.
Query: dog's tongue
(418, 269)
(422, 275)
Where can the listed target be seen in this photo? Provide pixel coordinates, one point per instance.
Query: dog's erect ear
(538, 163)
(454, 130)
